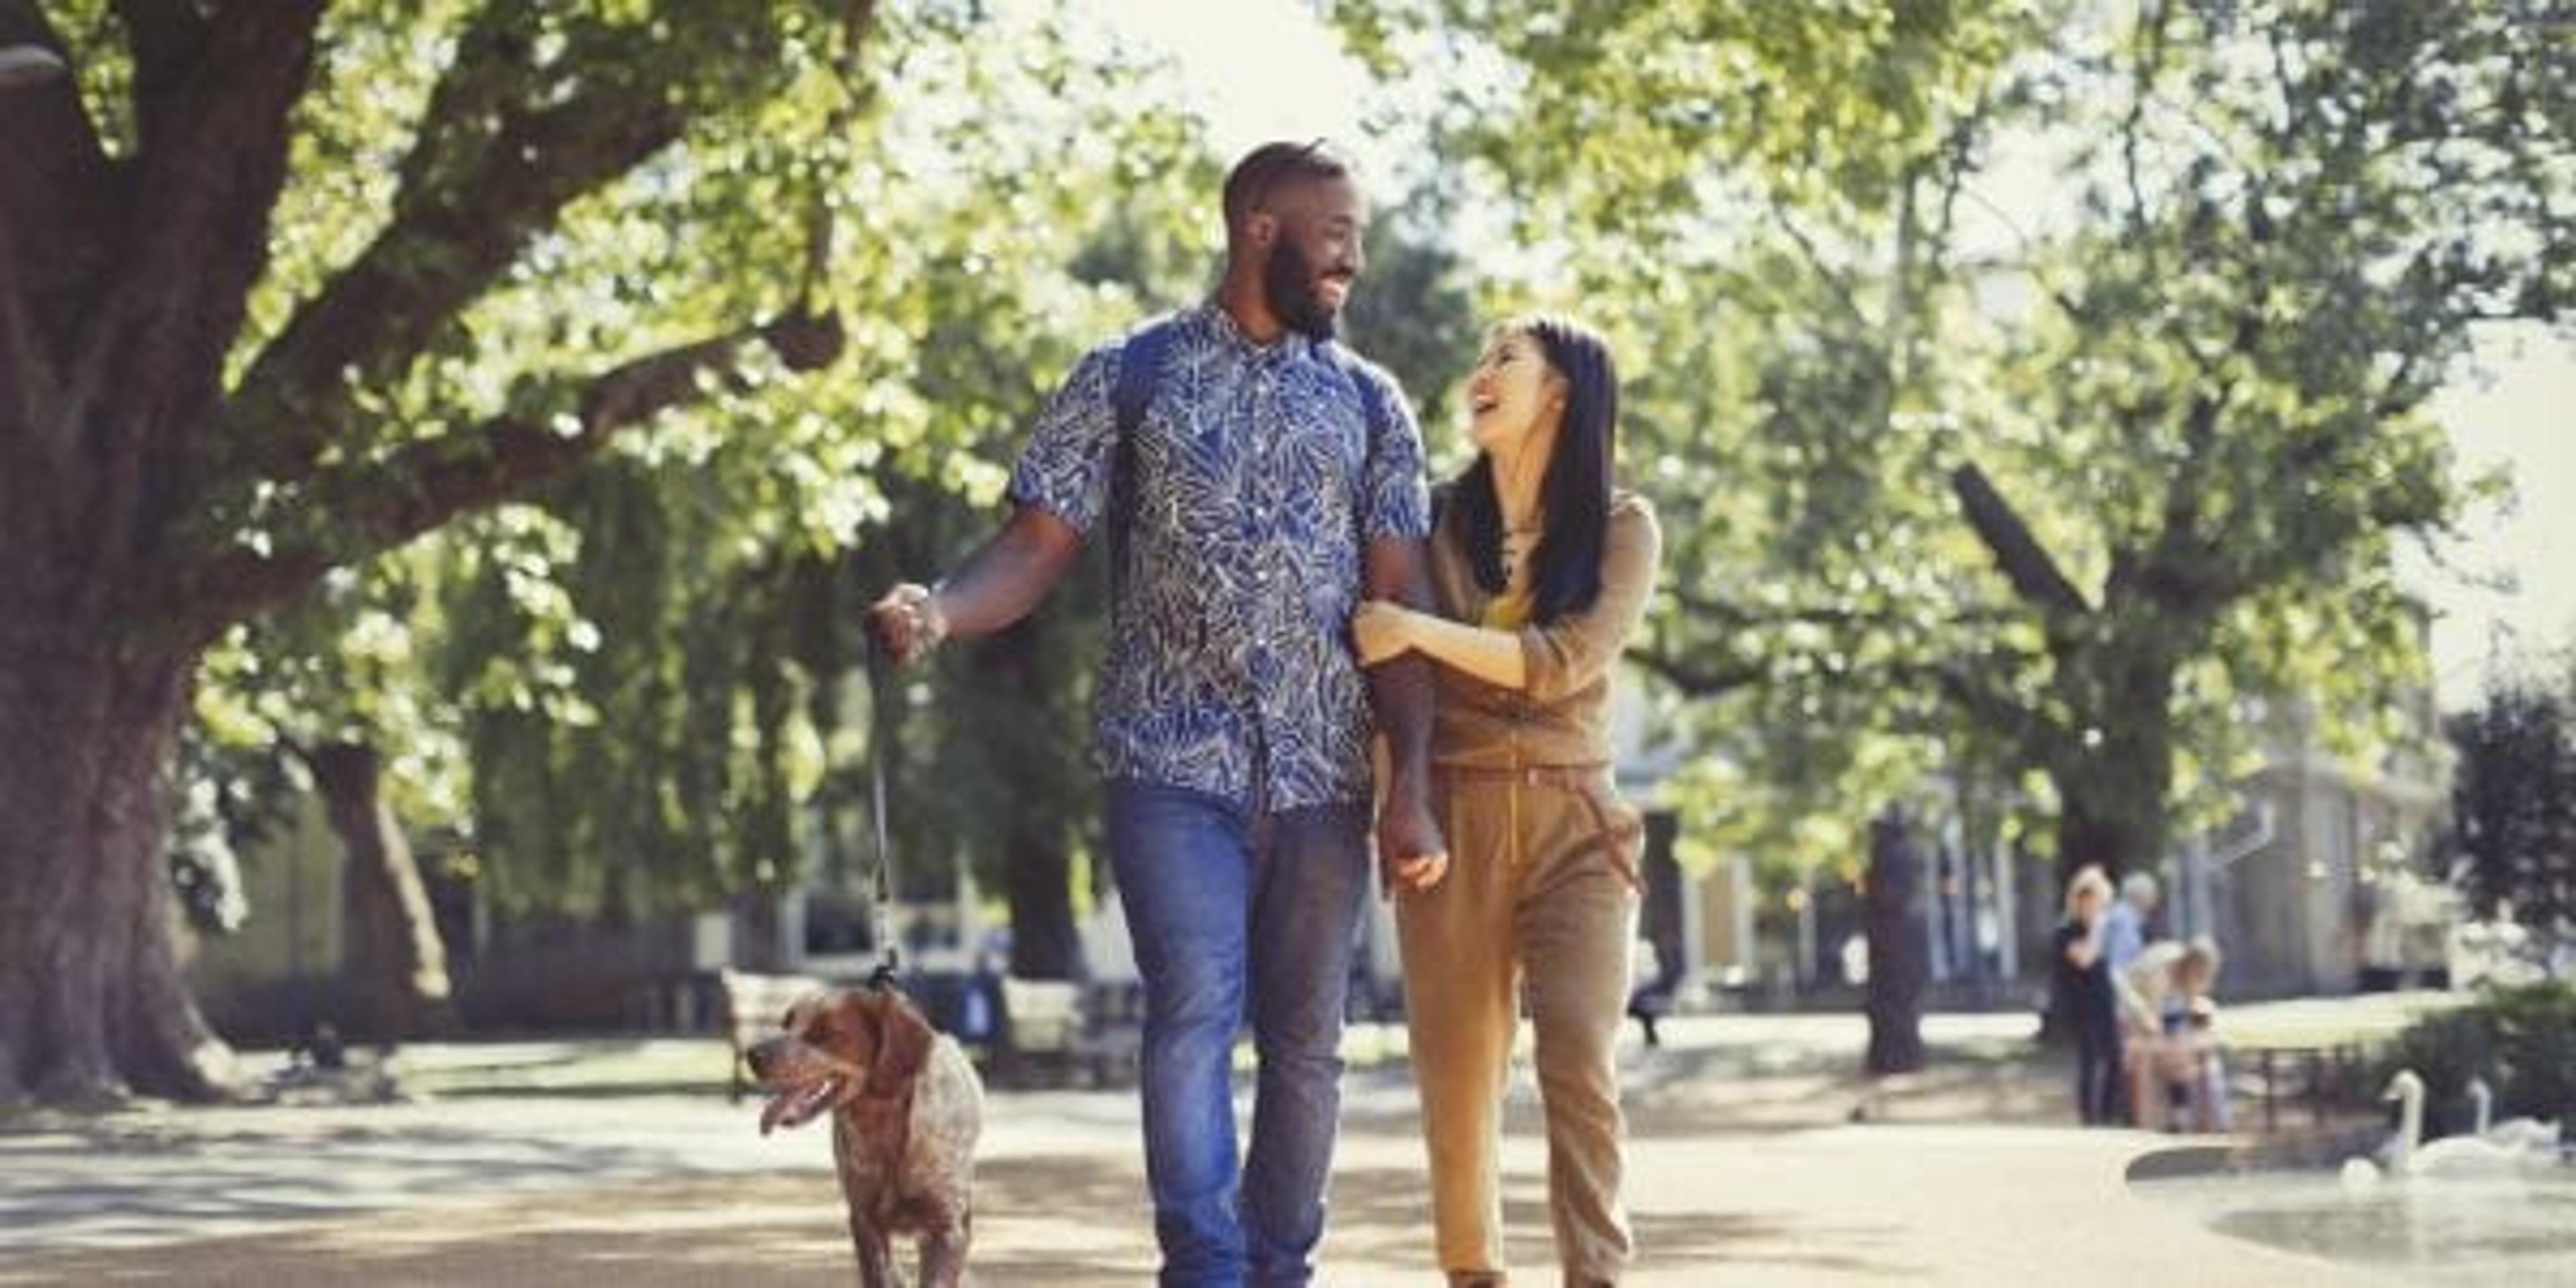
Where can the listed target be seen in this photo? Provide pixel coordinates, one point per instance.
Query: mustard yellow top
(1563, 716)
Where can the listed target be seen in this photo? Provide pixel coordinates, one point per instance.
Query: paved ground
(1744, 1170)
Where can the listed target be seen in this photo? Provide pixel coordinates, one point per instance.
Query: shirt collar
(1221, 325)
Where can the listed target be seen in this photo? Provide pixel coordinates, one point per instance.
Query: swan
(2451, 1156)
(2526, 1134)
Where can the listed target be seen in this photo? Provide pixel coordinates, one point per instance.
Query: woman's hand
(1381, 630)
(1412, 875)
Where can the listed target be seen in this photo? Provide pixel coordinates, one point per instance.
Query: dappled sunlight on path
(1744, 1165)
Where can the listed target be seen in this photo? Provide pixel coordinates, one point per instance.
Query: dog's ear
(841, 1023)
(903, 1044)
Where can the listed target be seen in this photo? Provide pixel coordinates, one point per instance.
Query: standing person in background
(2126, 922)
(2124, 937)
(2086, 999)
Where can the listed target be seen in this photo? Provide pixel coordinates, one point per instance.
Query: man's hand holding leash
(907, 623)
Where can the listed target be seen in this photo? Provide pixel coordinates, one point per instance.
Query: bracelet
(934, 623)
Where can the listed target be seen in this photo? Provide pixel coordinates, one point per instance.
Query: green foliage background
(2198, 389)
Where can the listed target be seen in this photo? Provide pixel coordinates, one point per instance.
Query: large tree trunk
(1896, 948)
(2114, 808)
(132, 529)
(394, 966)
(1038, 865)
(92, 1006)
(123, 283)
(1044, 942)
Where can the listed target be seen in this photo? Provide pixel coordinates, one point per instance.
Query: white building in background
(2317, 887)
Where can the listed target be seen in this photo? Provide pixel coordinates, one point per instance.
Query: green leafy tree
(191, 440)
(2511, 843)
(2183, 426)
(653, 666)
(299, 287)
(328, 697)
(2297, 214)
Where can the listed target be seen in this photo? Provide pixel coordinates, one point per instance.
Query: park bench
(1041, 1029)
(1113, 1030)
(753, 1005)
(2322, 1073)
(1058, 1030)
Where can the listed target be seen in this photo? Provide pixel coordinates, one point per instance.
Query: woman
(1541, 572)
(2176, 1052)
(2088, 1000)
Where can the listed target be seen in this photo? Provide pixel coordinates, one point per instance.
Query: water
(2488, 1230)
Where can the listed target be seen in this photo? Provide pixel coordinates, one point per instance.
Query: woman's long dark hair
(1565, 571)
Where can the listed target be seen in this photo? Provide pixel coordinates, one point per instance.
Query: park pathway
(1744, 1171)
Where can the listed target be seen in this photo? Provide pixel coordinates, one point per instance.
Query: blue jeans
(1232, 912)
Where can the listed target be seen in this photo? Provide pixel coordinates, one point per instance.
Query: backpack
(1140, 367)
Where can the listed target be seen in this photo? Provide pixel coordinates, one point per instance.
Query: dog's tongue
(772, 1112)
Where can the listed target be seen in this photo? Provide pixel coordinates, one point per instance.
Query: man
(2124, 937)
(1257, 481)
(2124, 927)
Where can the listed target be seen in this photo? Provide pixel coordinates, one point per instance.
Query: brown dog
(906, 1108)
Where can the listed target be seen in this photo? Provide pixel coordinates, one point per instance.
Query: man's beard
(1290, 282)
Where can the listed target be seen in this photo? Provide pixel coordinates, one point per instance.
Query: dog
(906, 1108)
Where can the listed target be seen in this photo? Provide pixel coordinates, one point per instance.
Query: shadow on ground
(535, 1187)
(1380, 1217)
(1066, 1221)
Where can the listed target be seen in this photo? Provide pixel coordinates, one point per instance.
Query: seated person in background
(2173, 1045)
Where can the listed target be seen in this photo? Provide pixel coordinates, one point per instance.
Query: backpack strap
(1373, 409)
(1356, 373)
(1140, 370)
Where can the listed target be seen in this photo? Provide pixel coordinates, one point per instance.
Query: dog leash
(881, 907)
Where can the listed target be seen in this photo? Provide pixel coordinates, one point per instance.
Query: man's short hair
(1266, 169)
(2138, 886)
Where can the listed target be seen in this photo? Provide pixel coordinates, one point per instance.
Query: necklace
(1518, 544)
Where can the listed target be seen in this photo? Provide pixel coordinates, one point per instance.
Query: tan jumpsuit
(1540, 904)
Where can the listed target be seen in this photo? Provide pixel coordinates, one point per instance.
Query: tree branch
(505, 145)
(1835, 282)
(202, 201)
(1990, 709)
(498, 158)
(157, 319)
(53, 213)
(167, 39)
(1737, 616)
(2144, 71)
(1697, 680)
(377, 505)
(2018, 555)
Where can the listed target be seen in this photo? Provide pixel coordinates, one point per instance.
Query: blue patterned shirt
(1260, 480)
